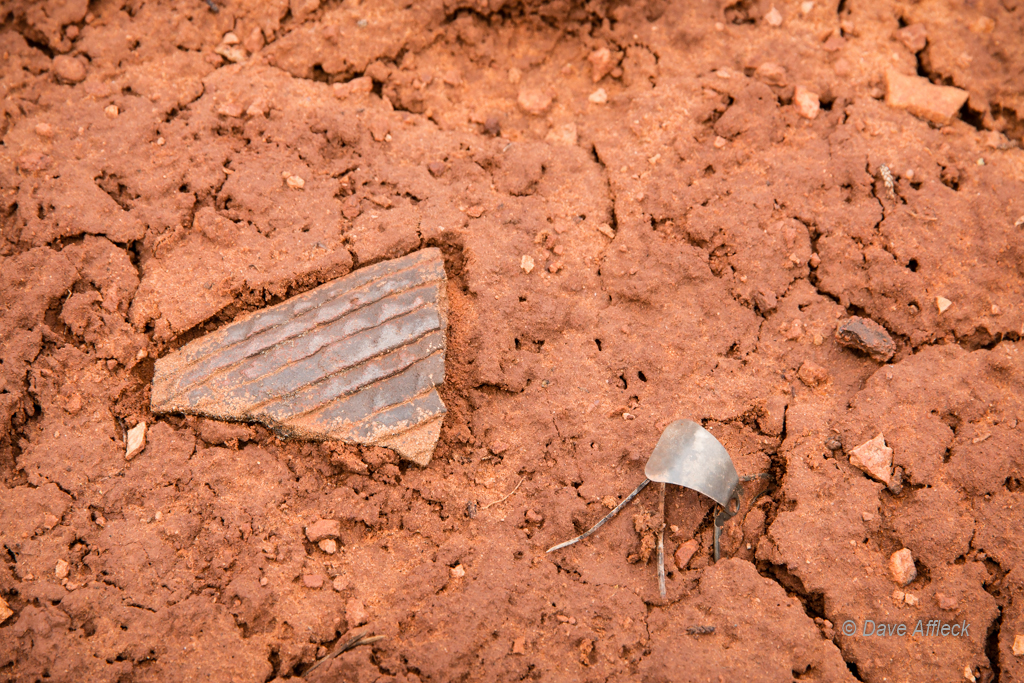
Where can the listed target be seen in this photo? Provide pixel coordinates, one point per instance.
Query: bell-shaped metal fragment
(689, 455)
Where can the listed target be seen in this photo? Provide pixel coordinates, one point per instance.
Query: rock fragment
(534, 101)
(313, 581)
(1018, 639)
(864, 334)
(812, 374)
(355, 613)
(601, 63)
(358, 360)
(684, 553)
(771, 73)
(874, 458)
(773, 17)
(946, 602)
(807, 102)
(913, 37)
(527, 263)
(901, 566)
(68, 70)
(942, 303)
(599, 96)
(328, 545)
(136, 441)
(6, 611)
(922, 98)
(62, 569)
(323, 528)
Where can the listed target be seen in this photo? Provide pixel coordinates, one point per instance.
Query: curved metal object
(689, 455)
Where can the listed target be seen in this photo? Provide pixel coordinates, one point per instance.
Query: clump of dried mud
(695, 240)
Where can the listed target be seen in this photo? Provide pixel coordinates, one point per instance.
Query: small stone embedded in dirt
(684, 553)
(864, 334)
(720, 142)
(765, 300)
(5, 611)
(363, 84)
(295, 182)
(527, 263)
(68, 69)
(339, 584)
(911, 599)
(519, 646)
(942, 303)
(111, 111)
(44, 130)
(895, 485)
(302, 8)
(328, 545)
(771, 73)
(355, 613)
(232, 110)
(599, 96)
(874, 458)
(867, 516)
(606, 230)
(913, 37)
(812, 374)
(806, 102)
(901, 566)
(312, 580)
(492, 126)
(323, 528)
(475, 211)
(1018, 639)
(534, 516)
(601, 63)
(437, 168)
(922, 98)
(34, 162)
(61, 569)
(358, 359)
(946, 602)
(534, 101)
(457, 572)
(773, 17)
(136, 441)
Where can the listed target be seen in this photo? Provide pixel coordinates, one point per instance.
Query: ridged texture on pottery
(358, 359)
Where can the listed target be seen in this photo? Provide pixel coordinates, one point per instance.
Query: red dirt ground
(695, 240)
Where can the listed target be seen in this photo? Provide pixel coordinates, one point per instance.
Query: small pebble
(313, 580)
(911, 600)
(457, 572)
(601, 63)
(533, 101)
(946, 602)
(606, 230)
(812, 374)
(230, 39)
(898, 595)
(44, 130)
(901, 566)
(720, 142)
(328, 545)
(68, 70)
(771, 73)
(922, 98)
(475, 211)
(514, 76)
(436, 168)
(684, 553)
(806, 101)
(864, 334)
(323, 528)
(913, 37)
(339, 584)
(599, 96)
(50, 520)
(874, 458)
(136, 441)
(942, 303)
(1018, 643)
(527, 263)
(5, 611)
(230, 110)
(533, 516)
(773, 17)
(62, 569)
(295, 182)
(355, 613)
(806, 7)
(519, 646)
(867, 516)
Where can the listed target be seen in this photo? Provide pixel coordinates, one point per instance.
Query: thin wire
(604, 519)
